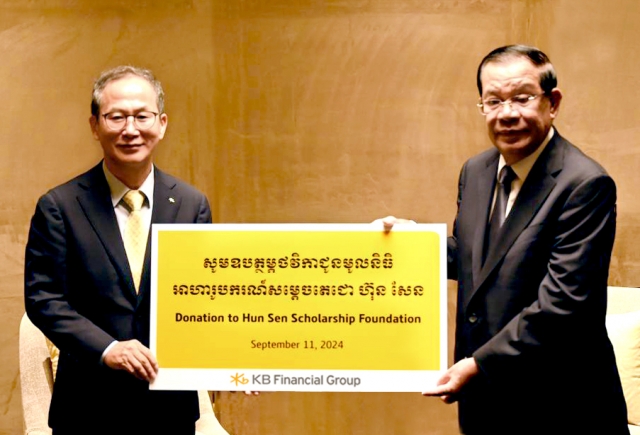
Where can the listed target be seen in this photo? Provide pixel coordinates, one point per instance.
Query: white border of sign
(299, 380)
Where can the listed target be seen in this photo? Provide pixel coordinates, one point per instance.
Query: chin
(518, 150)
(139, 155)
(131, 160)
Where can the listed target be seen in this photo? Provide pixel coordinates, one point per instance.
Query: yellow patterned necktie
(135, 236)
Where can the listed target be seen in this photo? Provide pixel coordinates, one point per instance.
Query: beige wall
(304, 111)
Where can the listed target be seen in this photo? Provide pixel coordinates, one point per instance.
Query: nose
(507, 110)
(130, 126)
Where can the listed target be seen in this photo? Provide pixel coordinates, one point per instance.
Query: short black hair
(548, 78)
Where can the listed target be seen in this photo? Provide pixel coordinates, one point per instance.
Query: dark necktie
(498, 216)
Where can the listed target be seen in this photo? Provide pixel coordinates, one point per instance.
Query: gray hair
(117, 73)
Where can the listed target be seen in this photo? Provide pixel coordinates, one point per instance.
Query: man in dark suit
(530, 250)
(87, 281)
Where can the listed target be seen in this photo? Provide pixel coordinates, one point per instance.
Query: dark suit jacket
(533, 315)
(80, 293)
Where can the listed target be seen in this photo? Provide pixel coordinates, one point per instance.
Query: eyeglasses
(117, 121)
(517, 102)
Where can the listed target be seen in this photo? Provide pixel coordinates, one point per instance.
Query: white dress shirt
(521, 169)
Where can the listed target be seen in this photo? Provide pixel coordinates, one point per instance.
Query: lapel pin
(171, 200)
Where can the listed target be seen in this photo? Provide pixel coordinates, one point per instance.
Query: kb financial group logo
(277, 379)
(239, 379)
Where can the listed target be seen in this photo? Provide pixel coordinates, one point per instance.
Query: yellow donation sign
(333, 307)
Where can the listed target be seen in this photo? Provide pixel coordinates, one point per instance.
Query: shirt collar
(118, 189)
(523, 167)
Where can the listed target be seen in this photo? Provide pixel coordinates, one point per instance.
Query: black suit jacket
(80, 293)
(533, 315)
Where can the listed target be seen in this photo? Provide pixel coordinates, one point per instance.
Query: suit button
(473, 318)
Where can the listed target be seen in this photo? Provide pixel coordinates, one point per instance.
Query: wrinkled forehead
(128, 81)
(128, 88)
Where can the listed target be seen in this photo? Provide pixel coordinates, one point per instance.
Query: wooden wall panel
(304, 111)
(337, 105)
(599, 61)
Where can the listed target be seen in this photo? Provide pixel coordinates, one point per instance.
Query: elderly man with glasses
(530, 250)
(87, 278)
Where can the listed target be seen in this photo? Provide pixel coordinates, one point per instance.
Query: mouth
(129, 145)
(509, 132)
(510, 136)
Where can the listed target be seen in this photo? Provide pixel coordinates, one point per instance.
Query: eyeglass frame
(510, 102)
(126, 120)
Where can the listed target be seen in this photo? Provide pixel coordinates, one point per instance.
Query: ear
(93, 122)
(163, 124)
(555, 97)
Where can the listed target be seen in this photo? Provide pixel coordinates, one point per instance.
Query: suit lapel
(536, 188)
(165, 209)
(485, 187)
(165, 202)
(95, 200)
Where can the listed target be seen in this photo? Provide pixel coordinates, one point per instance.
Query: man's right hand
(133, 357)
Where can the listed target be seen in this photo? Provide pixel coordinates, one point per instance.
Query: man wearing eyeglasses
(87, 277)
(530, 250)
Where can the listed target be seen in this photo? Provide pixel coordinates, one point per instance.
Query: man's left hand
(453, 380)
